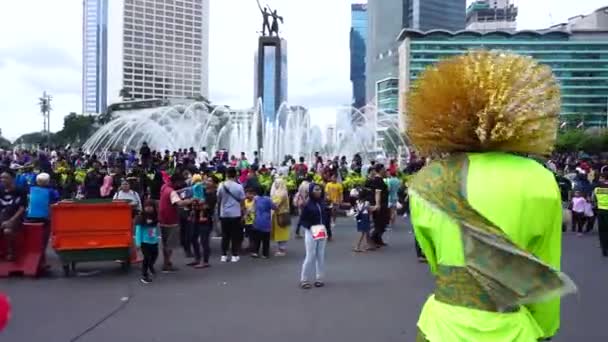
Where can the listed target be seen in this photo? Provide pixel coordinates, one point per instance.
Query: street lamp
(45, 109)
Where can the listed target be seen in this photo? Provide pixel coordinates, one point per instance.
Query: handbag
(319, 232)
(284, 219)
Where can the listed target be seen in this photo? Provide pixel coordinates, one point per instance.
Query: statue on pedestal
(269, 30)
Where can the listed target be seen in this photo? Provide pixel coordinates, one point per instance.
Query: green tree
(568, 140)
(125, 94)
(4, 143)
(36, 139)
(74, 127)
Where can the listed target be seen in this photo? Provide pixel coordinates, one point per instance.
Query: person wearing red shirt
(393, 168)
(168, 219)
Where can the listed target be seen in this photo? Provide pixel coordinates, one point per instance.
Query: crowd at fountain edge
(374, 191)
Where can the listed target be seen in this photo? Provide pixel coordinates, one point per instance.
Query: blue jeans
(315, 258)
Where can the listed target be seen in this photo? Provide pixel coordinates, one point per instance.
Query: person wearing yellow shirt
(334, 192)
(249, 216)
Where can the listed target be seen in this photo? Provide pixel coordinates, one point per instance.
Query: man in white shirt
(202, 157)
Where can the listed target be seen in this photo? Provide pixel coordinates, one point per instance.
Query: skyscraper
(358, 38)
(427, 15)
(94, 56)
(495, 15)
(166, 48)
(386, 18)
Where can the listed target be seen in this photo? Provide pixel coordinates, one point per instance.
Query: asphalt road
(374, 296)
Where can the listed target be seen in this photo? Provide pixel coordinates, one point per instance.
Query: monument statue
(275, 23)
(269, 30)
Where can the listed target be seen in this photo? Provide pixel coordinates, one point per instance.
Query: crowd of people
(583, 185)
(179, 199)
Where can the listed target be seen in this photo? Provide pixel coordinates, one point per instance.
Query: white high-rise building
(166, 48)
(94, 56)
(492, 15)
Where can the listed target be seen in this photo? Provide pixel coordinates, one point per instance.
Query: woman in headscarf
(313, 217)
(281, 217)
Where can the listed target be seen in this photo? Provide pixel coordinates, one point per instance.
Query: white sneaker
(224, 258)
(235, 259)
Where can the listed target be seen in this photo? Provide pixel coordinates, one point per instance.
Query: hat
(197, 178)
(43, 178)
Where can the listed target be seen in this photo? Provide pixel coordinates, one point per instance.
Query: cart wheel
(66, 270)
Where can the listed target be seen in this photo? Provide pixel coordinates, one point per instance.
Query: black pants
(381, 219)
(199, 236)
(578, 221)
(602, 216)
(232, 235)
(261, 238)
(184, 233)
(150, 252)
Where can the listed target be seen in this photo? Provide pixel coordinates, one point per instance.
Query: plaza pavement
(374, 296)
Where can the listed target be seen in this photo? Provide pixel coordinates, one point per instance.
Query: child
(578, 212)
(362, 216)
(198, 187)
(200, 228)
(334, 191)
(249, 216)
(147, 235)
(261, 226)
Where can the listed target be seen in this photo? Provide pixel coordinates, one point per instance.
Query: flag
(581, 125)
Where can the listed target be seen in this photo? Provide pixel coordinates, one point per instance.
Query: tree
(199, 98)
(590, 141)
(4, 143)
(74, 127)
(125, 94)
(37, 139)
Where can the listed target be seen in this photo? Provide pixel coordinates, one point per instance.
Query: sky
(41, 49)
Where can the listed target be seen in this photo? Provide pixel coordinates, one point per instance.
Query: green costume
(522, 198)
(487, 220)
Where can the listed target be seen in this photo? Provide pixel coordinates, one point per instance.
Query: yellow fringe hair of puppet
(484, 101)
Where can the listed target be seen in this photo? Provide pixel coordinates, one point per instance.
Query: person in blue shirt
(40, 199)
(39, 204)
(147, 236)
(262, 225)
(26, 179)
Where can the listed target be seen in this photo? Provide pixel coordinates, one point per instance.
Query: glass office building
(579, 60)
(358, 39)
(434, 14)
(386, 18)
(94, 56)
(387, 95)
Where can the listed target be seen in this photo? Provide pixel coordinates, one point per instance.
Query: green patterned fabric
(456, 286)
(507, 274)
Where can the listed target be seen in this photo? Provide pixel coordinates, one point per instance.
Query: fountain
(291, 133)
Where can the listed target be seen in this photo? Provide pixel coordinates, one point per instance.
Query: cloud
(41, 49)
(39, 55)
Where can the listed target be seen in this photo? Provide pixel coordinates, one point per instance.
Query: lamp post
(45, 109)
